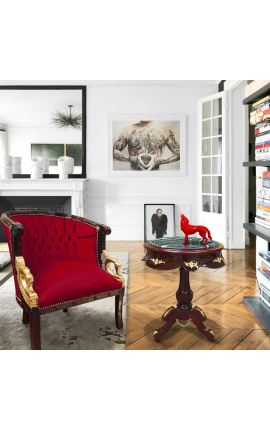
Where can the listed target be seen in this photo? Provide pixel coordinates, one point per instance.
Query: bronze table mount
(170, 253)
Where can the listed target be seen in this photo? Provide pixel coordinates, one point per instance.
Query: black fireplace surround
(44, 203)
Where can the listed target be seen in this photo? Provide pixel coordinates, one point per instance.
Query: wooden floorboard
(218, 292)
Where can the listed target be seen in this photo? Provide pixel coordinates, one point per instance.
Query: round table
(170, 253)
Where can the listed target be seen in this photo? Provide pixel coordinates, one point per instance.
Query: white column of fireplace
(75, 188)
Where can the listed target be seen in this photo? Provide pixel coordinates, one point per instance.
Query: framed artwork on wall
(152, 145)
(159, 221)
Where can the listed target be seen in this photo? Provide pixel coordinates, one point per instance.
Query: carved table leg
(197, 316)
(170, 316)
(184, 311)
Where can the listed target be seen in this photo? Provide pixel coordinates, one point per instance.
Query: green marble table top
(178, 243)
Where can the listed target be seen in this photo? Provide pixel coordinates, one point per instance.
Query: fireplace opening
(41, 203)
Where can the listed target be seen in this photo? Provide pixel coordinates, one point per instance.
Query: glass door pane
(211, 152)
(206, 110)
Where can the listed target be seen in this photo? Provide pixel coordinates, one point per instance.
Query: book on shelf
(265, 255)
(262, 213)
(260, 103)
(254, 86)
(264, 273)
(264, 144)
(260, 114)
(264, 288)
(262, 219)
(262, 223)
(262, 137)
(265, 175)
(259, 182)
(264, 301)
(262, 151)
(264, 294)
(263, 280)
(262, 127)
(265, 185)
(265, 267)
(264, 204)
(264, 291)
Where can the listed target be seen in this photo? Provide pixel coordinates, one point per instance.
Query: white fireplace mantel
(75, 188)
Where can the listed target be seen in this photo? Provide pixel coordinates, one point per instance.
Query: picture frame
(155, 228)
(165, 139)
(44, 91)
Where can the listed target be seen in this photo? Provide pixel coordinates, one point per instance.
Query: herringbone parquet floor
(218, 292)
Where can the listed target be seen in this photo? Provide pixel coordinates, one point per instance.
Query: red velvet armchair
(59, 261)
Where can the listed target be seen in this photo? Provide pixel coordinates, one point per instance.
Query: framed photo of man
(159, 221)
(147, 145)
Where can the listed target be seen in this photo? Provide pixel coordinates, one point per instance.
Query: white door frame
(224, 161)
(229, 86)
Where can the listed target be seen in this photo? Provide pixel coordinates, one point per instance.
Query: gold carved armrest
(106, 265)
(25, 280)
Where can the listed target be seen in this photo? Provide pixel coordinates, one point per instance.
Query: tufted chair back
(54, 238)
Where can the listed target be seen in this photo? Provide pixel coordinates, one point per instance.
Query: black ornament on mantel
(67, 119)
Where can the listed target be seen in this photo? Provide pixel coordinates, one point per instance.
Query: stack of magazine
(260, 117)
(263, 200)
(263, 274)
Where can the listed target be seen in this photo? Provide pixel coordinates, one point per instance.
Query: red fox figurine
(191, 229)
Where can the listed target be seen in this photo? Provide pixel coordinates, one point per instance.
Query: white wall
(119, 201)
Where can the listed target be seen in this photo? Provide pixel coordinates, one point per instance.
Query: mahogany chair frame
(33, 314)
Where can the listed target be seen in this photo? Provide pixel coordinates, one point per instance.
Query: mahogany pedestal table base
(170, 253)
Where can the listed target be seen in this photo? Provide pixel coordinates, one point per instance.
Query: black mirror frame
(58, 87)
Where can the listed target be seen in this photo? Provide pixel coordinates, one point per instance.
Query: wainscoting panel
(125, 216)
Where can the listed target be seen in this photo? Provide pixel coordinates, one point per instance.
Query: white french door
(212, 181)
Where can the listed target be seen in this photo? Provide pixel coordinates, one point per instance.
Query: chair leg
(25, 318)
(35, 329)
(65, 310)
(118, 309)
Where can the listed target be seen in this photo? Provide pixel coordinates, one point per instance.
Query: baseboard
(238, 245)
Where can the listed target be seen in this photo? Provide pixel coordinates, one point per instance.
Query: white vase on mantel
(6, 167)
(66, 167)
(37, 168)
(16, 165)
(36, 172)
(42, 162)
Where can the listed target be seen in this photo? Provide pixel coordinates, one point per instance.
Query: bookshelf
(257, 163)
(258, 230)
(255, 304)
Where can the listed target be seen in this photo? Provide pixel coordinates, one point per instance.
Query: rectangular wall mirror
(47, 121)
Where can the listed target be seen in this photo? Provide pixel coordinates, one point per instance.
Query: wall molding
(106, 83)
(122, 197)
